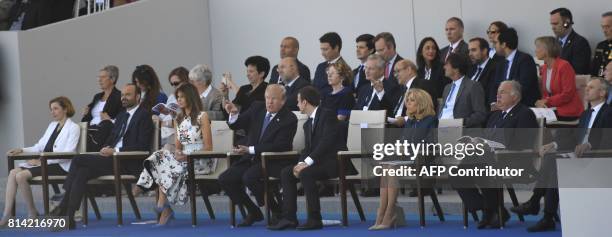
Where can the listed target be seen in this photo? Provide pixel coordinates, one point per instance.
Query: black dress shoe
(527, 208)
(486, 220)
(545, 224)
(283, 224)
(495, 222)
(275, 218)
(250, 219)
(311, 225)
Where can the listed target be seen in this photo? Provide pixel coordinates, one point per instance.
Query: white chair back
(223, 138)
(364, 119)
(449, 130)
(299, 140)
(82, 146)
(581, 81)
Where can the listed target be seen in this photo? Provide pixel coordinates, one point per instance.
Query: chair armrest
(24, 156)
(58, 155)
(206, 155)
(127, 155)
(350, 155)
(279, 155)
(598, 153)
(513, 154)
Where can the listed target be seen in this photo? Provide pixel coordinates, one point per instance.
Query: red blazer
(563, 87)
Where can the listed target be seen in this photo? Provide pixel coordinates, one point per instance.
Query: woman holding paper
(167, 170)
(146, 79)
(62, 135)
(558, 81)
(420, 126)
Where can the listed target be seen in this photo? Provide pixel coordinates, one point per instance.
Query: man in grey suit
(463, 98)
(454, 34)
(212, 99)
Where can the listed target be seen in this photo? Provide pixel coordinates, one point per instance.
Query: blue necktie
(477, 75)
(449, 94)
(506, 68)
(266, 122)
(123, 125)
(359, 72)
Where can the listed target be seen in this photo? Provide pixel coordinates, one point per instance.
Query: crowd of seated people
(488, 83)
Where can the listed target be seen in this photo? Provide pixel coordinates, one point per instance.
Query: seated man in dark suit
(588, 136)
(406, 73)
(517, 66)
(506, 126)
(317, 162)
(289, 47)
(372, 96)
(483, 67)
(365, 47)
(292, 80)
(270, 127)
(132, 132)
(574, 48)
(463, 98)
(331, 44)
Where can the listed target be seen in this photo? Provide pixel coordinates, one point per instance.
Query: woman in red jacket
(558, 83)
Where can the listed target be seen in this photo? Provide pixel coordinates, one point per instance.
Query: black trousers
(477, 193)
(82, 169)
(248, 174)
(308, 177)
(546, 186)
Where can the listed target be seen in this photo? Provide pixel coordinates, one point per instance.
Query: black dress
(245, 96)
(341, 102)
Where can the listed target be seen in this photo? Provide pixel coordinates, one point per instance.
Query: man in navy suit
(318, 161)
(385, 46)
(483, 67)
(291, 80)
(372, 96)
(270, 127)
(507, 126)
(454, 34)
(132, 132)
(365, 47)
(331, 44)
(290, 47)
(588, 136)
(574, 48)
(517, 66)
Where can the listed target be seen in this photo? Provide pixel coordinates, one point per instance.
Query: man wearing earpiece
(574, 48)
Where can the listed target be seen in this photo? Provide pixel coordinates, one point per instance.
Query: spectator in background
(212, 99)
(493, 31)
(177, 77)
(365, 47)
(575, 49)
(291, 80)
(289, 47)
(101, 112)
(257, 68)
(339, 96)
(603, 51)
(330, 46)
(558, 86)
(454, 34)
(608, 78)
(62, 135)
(430, 66)
(385, 46)
(152, 94)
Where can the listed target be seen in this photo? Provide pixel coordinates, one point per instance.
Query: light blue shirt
(564, 38)
(510, 58)
(449, 105)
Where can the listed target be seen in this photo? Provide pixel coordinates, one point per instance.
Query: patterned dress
(171, 175)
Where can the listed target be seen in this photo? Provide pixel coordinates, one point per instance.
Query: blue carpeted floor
(220, 227)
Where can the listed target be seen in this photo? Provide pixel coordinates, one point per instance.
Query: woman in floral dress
(167, 170)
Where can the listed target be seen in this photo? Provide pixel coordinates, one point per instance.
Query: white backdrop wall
(64, 58)
(241, 28)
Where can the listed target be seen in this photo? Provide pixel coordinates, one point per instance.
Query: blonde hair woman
(420, 125)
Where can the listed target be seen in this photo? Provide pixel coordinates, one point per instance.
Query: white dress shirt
(374, 92)
(309, 161)
(449, 105)
(127, 124)
(510, 58)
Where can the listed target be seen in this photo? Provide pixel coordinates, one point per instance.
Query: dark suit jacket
(322, 144)
(462, 49)
(277, 137)
(601, 59)
(137, 137)
(384, 103)
(361, 81)
(291, 94)
(567, 139)
(524, 71)
(510, 130)
(303, 69)
(486, 78)
(391, 82)
(436, 82)
(469, 104)
(577, 52)
(112, 107)
(319, 80)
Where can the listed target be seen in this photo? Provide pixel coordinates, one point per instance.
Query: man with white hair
(212, 99)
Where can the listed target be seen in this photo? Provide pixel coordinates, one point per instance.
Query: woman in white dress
(167, 170)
